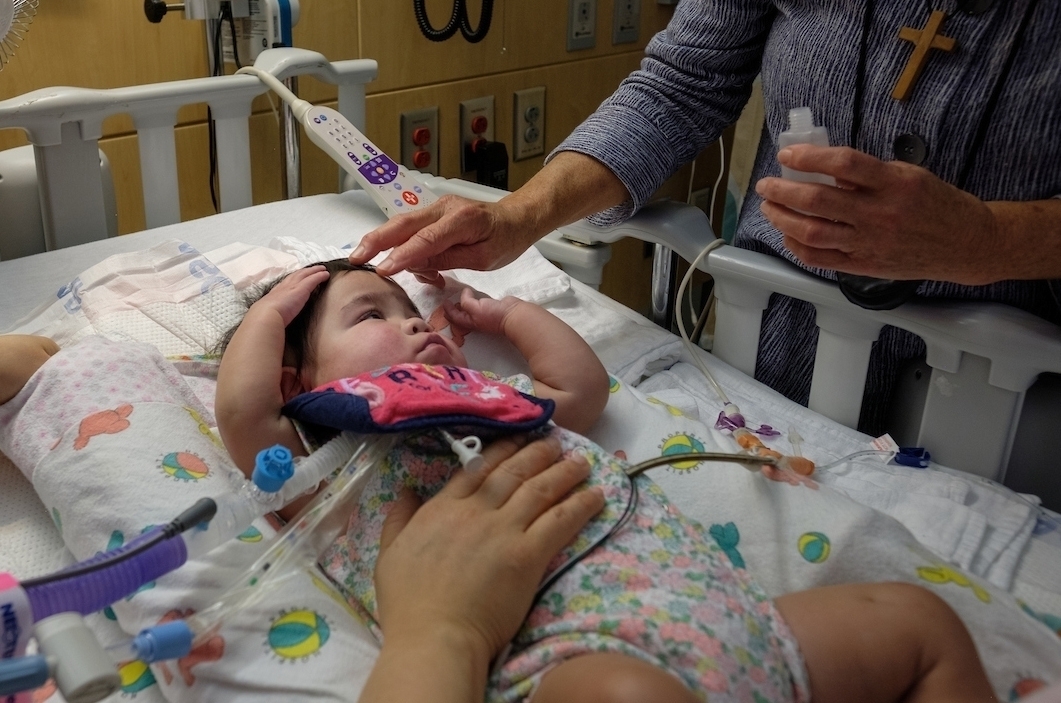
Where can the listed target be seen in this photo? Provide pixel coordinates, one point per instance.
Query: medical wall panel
(523, 34)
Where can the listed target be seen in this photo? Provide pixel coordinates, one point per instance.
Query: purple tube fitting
(96, 590)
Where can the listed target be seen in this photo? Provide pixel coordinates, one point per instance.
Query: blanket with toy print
(131, 444)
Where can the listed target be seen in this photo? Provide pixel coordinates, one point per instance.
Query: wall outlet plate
(472, 112)
(581, 24)
(528, 123)
(412, 124)
(626, 21)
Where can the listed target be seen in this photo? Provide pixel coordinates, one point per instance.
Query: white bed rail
(984, 356)
(65, 124)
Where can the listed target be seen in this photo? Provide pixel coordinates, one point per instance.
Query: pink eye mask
(408, 397)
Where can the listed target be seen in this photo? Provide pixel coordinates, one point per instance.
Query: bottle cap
(272, 468)
(171, 640)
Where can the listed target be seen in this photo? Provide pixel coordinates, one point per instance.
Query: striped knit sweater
(697, 76)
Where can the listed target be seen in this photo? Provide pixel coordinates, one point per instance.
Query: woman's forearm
(570, 187)
(1029, 236)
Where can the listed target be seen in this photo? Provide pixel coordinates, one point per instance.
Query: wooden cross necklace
(924, 40)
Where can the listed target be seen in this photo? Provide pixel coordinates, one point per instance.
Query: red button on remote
(410, 197)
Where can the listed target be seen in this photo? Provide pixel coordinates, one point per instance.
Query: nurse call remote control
(393, 188)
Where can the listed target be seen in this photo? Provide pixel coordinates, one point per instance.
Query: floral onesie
(656, 589)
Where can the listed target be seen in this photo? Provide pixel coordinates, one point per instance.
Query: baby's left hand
(478, 311)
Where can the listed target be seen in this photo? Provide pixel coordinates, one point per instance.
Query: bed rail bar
(983, 356)
(65, 124)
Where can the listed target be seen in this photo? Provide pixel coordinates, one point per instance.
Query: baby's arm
(564, 367)
(249, 381)
(20, 357)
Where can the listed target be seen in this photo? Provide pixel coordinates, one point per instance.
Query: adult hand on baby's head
(465, 565)
(451, 233)
(478, 311)
(289, 296)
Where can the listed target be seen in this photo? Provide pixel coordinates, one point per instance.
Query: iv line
(689, 346)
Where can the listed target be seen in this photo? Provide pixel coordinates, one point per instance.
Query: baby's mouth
(435, 339)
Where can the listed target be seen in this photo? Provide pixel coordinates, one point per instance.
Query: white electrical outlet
(477, 122)
(420, 140)
(581, 24)
(528, 123)
(626, 21)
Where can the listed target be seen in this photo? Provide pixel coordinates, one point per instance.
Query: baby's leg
(20, 357)
(610, 678)
(884, 642)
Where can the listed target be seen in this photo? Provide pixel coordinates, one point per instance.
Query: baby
(654, 592)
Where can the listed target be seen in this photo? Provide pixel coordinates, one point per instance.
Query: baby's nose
(415, 324)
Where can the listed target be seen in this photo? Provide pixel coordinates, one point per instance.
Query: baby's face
(365, 323)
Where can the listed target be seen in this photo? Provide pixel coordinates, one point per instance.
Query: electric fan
(15, 16)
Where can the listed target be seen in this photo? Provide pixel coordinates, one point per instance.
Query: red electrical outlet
(477, 127)
(420, 140)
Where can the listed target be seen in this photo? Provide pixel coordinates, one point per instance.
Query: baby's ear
(290, 383)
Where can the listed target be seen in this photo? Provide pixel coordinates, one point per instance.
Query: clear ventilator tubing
(299, 544)
(236, 511)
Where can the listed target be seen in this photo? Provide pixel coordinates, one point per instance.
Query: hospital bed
(983, 357)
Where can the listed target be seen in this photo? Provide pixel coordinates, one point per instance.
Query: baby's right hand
(478, 311)
(289, 296)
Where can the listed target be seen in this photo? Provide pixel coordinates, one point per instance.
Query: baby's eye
(371, 315)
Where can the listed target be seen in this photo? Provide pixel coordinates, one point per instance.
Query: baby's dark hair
(298, 350)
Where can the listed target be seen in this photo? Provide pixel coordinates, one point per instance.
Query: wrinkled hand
(289, 296)
(478, 311)
(468, 561)
(886, 219)
(451, 233)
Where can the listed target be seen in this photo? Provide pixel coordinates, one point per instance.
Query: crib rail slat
(158, 167)
(64, 125)
(71, 189)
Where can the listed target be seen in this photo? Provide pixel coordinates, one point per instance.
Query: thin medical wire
(693, 350)
(710, 218)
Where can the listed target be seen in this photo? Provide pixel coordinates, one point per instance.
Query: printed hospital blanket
(278, 650)
(150, 452)
(115, 442)
(794, 533)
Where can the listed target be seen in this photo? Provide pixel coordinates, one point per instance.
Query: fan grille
(15, 16)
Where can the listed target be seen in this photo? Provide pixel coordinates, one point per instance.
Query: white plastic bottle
(801, 130)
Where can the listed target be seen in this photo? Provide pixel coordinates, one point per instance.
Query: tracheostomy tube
(297, 547)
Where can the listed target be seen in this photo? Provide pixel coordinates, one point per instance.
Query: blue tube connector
(272, 468)
(170, 640)
(22, 674)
